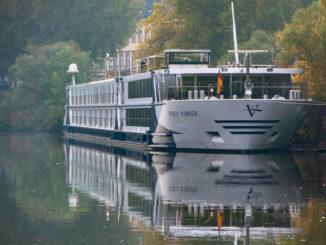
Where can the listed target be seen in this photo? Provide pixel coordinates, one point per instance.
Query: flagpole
(236, 55)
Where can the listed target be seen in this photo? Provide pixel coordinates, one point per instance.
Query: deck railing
(210, 92)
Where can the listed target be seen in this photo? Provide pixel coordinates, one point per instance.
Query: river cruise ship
(187, 104)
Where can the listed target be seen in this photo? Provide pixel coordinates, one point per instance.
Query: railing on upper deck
(101, 71)
(210, 92)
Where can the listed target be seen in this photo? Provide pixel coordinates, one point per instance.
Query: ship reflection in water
(232, 197)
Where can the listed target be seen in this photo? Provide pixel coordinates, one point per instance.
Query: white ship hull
(232, 124)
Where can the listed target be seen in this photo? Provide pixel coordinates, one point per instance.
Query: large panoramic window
(166, 87)
(140, 117)
(140, 89)
(188, 58)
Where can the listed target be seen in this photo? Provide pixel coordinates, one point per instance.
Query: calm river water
(54, 192)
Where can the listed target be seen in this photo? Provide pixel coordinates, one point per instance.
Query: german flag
(219, 83)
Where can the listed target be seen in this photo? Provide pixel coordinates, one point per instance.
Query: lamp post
(72, 70)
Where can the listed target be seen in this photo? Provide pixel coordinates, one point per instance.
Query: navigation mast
(236, 55)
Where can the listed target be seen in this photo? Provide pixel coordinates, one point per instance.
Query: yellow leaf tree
(302, 43)
(162, 26)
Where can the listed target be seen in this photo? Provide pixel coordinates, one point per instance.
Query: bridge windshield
(187, 57)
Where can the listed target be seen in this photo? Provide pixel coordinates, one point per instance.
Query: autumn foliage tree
(162, 25)
(302, 43)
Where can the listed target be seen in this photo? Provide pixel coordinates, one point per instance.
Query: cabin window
(108, 94)
(112, 94)
(111, 117)
(198, 85)
(140, 117)
(188, 58)
(84, 118)
(233, 85)
(106, 121)
(95, 118)
(93, 95)
(72, 97)
(90, 119)
(166, 87)
(72, 115)
(97, 95)
(259, 88)
(80, 96)
(79, 123)
(103, 93)
(140, 89)
(100, 118)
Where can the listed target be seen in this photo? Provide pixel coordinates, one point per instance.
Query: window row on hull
(93, 95)
(105, 118)
(95, 118)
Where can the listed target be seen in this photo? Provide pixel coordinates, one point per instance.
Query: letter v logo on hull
(252, 109)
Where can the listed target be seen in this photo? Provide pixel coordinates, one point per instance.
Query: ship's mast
(236, 55)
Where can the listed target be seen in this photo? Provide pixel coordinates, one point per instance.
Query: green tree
(37, 103)
(16, 19)
(259, 40)
(269, 15)
(302, 42)
(98, 26)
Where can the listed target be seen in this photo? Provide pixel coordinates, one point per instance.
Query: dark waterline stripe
(247, 132)
(247, 121)
(246, 127)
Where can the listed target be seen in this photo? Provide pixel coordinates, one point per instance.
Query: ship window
(95, 118)
(84, 118)
(85, 96)
(140, 89)
(138, 117)
(80, 96)
(80, 117)
(102, 95)
(166, 87)
(113, 98)
(100, 118)
(188, 58)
